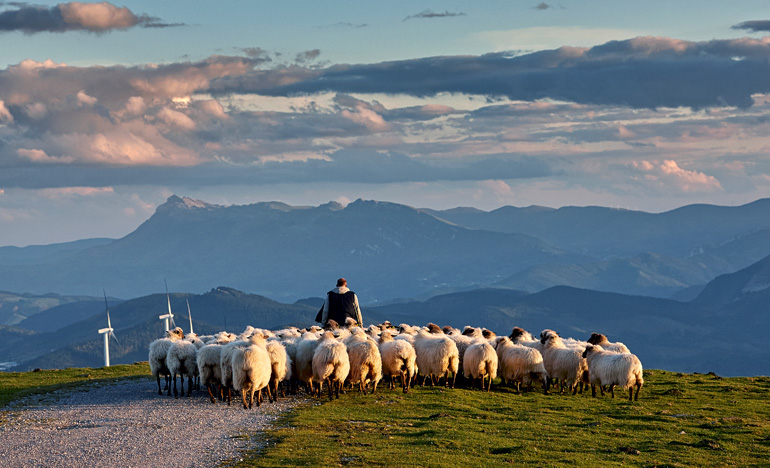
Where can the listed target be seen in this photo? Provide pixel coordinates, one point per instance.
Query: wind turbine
(169, 315)
(107, 332)
(189, 314)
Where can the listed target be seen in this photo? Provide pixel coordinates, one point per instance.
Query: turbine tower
(107, 332)
(169, 316)
(189, 314)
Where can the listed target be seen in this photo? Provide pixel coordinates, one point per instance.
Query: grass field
(681, 420)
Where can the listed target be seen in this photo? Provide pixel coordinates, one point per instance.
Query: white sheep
(226, 366)
(480, 362)
(398, 360)
(280, 367)
(209, 369)
(181, 360)
(304, 362)
(462, 341)
(365, 360)
(437, 356)
(330, 364)
(520, 364)
(157, 357)
(562, 362)
(601, 340)
(251, 370)
(606, 368)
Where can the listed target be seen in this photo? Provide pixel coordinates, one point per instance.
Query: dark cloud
(307, 56)
(432, 14)
(753, 26)
(75, 16)
(645, 72)
(542, 6)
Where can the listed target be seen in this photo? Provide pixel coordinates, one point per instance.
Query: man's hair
(341, 282)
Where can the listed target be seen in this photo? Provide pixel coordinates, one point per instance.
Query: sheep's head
(488, 334)
(175, 334)
(350, 322)
(548, 335)
(501, 341)
(597, 338)
(435, 329)
(332, 325)
(518, 333)
(386, 337)
(589, 350)
(328, 336)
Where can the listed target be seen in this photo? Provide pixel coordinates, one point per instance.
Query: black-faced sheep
(601, 340)
(606, 368)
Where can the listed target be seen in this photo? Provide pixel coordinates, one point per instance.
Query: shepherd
(340, 304)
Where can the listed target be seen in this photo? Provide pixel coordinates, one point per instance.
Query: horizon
(106, 110)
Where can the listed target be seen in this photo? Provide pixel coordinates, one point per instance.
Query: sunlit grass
(680, 420)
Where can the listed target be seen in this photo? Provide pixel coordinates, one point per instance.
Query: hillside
(136, 324)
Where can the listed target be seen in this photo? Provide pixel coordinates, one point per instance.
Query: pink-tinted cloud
(74, 16)
(668, 173)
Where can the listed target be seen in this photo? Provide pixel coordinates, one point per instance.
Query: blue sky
(107, 109)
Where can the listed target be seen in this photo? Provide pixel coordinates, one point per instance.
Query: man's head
(342, 282)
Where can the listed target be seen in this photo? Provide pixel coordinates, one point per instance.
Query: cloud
(307, 56)
(543, 6)
(39, 156)
(5, 115)
(432, 14)
(644, 72)
(74, 16)
(56, 193)
(668, 173)
(753, 26)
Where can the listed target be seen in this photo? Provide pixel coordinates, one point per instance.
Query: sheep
(330, 364)
(226, 366)
(280, 367)
(365, 361)
(157, 357)
(304, 362)
(607, 368)
(289, 340)
(398, 360)
(480, 362)
(181, 360)
(462, 341)
(601, 340)
(525, 338)
(520, 364)
(437, 355)
(209, 369)
(561, 362)
(251, 370)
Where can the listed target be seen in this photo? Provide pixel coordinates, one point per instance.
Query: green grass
(15, 385)
(681, 420)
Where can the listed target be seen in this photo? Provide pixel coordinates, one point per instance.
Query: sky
(107, 109)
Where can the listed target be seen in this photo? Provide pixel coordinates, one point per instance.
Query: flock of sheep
(259, 360)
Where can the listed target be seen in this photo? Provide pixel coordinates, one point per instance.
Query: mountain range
(392, 252)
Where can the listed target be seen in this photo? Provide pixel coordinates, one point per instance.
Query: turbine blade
(112, 335)
(109, 325)
(189, 314)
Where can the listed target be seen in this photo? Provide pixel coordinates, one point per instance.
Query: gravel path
(127, 424)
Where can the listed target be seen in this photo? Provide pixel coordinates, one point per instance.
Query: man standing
(340, 304)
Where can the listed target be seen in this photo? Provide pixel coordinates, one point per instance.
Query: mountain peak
(175, 202)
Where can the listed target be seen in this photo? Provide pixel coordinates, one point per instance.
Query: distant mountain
(66, 314)
(391, 252)
(16, 307)
(386, 250)
(608, 232)
(648, 274)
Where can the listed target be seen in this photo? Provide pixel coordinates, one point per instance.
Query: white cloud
(56, 193)
(40, 156)
(668, 174)
(5, 115)
(176, 119)
(85, 99)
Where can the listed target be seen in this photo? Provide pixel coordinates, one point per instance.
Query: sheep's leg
(259, 396)
(160, 392)
(176, 394)
(330, 384)
(339, 384)
(229, 395)
(269, 394)
(190, 385)
(168, 385)
(638, 387)
(593, 390)
(545, 387)
(612, 390)
(489, 388)
(211, 394)
(574, 388)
